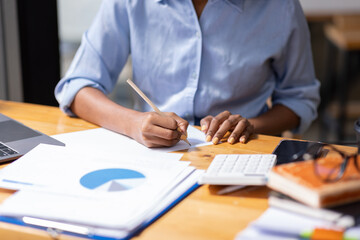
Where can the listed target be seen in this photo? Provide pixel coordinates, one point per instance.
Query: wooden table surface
(203, 215)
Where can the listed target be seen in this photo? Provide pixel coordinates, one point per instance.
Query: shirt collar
(238, 4)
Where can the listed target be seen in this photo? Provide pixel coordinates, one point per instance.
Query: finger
(161, 132)
(160, 126)
(226, 126)
(162, 120)
(205, 123)
(154, 141)
(248, 132)
(182, 123)
(239, 133)
(215, 123)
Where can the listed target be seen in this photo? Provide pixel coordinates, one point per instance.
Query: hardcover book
(300, 181)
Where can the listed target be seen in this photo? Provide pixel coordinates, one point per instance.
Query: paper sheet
(81, 188)
(106, 142)
(50, 206)
(62, 167)
(99, 179)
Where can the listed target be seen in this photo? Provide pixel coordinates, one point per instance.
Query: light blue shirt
(237, 55)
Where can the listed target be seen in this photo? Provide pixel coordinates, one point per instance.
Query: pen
(133, 85)
(324, 233)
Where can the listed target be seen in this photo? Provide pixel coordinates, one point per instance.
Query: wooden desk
(203, 215)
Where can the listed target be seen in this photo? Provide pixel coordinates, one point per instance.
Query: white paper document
(117, 193)
(105, 142)
(100, 181)
(62, 167)
(34, 206)
(121, 209)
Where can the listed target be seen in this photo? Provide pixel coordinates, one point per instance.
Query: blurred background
(39, 38)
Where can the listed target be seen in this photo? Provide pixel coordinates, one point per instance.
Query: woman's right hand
(148, 128)
(158, 130)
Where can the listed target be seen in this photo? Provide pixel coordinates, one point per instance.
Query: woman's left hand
(216, 127)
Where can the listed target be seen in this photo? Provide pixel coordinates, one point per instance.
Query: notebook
(17, 139)
(298, 180)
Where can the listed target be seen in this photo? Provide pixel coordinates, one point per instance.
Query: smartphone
(292, 150)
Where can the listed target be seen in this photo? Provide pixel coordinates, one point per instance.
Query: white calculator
(239, 169)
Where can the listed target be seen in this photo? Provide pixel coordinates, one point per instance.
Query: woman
(212, 62)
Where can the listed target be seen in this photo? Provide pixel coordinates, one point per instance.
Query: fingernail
(215, 140)
(231, 140)
(203, 127)
(242, 139)
(208, 138)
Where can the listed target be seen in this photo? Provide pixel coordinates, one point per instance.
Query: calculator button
(239, 169)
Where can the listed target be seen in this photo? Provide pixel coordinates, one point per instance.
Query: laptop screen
(12, 131)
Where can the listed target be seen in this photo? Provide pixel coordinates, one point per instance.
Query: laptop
(17, 139)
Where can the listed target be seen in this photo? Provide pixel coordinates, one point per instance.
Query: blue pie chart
(112, 179)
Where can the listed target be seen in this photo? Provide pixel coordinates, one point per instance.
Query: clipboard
(55, 232)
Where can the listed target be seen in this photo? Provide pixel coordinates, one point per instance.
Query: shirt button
(194, 75)
(198, 35)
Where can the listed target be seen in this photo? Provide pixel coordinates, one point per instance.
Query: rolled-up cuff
(66, 95)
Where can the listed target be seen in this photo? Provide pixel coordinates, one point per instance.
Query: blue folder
(131, 234)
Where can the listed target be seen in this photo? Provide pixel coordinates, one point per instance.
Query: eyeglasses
(331, 168)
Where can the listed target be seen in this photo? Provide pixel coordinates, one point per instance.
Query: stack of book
(298, 188)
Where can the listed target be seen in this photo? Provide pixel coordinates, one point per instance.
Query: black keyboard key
(6, 150)
(3, 153)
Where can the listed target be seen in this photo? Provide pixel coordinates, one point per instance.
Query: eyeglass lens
(329, 168)
(332, 167)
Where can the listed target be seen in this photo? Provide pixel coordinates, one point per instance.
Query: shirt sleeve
(101, 56)
(297, 87)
